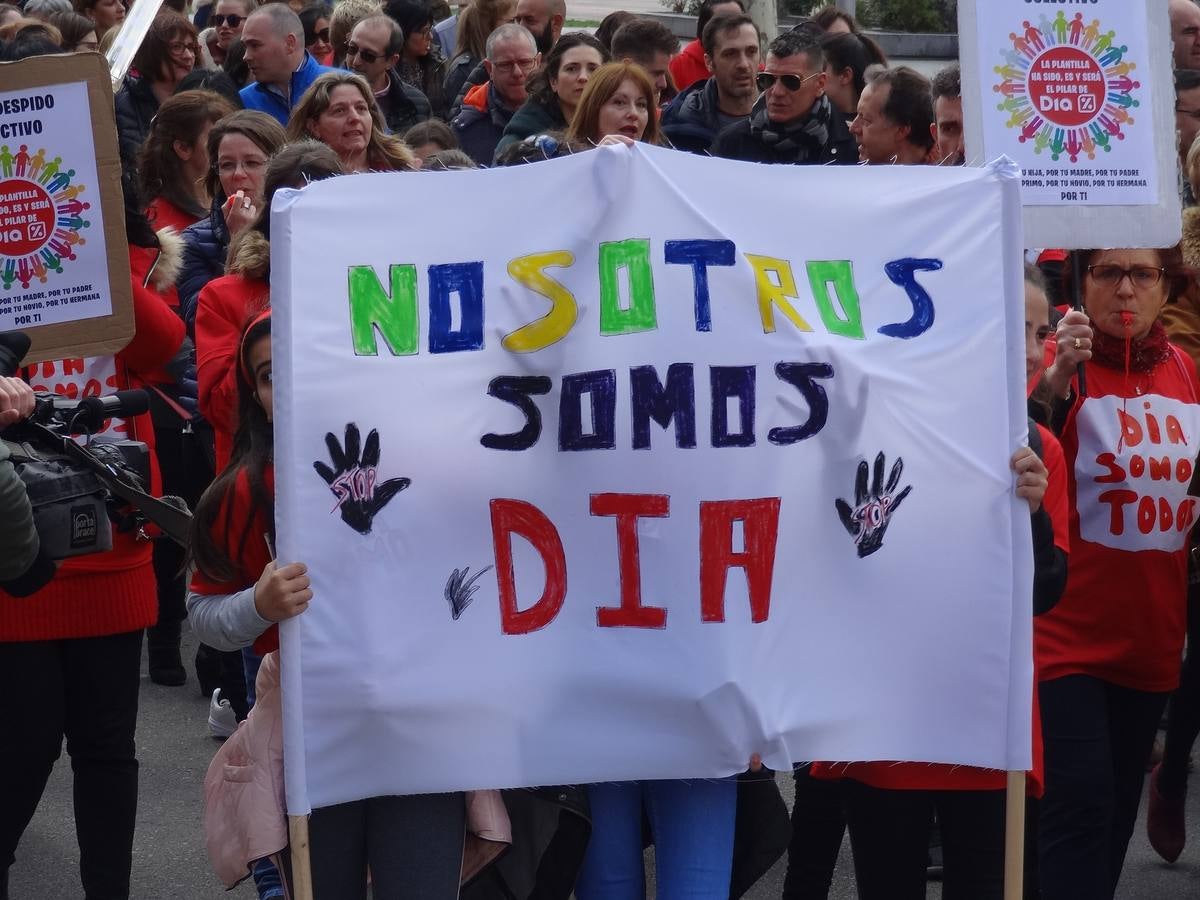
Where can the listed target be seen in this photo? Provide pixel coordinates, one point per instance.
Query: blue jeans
(692, 823)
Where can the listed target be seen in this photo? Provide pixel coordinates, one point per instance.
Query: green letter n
(372, 309)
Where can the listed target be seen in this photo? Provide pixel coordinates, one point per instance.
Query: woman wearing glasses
(227, 22)
(315, 19)
(1110, 651)
(168, 52)
(421, 63)
(339, 109)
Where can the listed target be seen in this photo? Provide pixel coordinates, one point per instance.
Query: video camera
(79, 491)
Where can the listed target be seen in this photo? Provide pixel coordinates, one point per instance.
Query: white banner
(1079, 94)
(648, 463)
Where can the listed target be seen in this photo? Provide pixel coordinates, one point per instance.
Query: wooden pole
(301, 865)
(1014, 837)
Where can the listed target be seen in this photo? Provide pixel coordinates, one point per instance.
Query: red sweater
(114, 592)
(687, 67)
(1130, 457)
(223, 310)
(162, 212)
(913, 776)
(240, 518)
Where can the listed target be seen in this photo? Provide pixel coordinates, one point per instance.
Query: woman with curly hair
(339, 109)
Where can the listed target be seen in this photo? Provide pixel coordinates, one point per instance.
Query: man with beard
(793, 122)
(947, 128)
(731, 53)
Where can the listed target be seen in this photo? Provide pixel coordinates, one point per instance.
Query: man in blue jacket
(274, 40)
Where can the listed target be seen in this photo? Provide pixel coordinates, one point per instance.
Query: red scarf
(1143, 355)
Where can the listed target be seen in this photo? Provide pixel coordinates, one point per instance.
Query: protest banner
(1080, 95)
(707, 459)
(64, 260)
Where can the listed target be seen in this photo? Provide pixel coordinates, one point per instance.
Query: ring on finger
(1078, 344)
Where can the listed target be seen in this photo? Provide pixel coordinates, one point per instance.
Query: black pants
(87, 690)
(818, 825)
(1183, 717)
(186, 472)
(413, 846)
(1097, 737)
(889, 833)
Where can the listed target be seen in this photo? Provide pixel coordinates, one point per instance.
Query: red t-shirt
(239, 529)
(1131, 448)
(912, 776)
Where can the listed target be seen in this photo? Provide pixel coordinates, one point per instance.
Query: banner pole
(301, 865)
(1014, 837)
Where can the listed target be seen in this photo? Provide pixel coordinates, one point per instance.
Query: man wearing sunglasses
(283, 70)
(487, 108)
(792, 121)
(373, 51)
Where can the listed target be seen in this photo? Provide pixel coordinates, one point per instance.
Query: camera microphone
(13, 347)
(92, 412)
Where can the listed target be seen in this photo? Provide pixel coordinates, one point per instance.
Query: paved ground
(170, 860)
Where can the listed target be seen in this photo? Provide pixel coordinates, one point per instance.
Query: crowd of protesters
(229, 102)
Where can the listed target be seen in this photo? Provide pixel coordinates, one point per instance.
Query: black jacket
(458, 71)
(479, 75)
(532, 118)
(205, 246)
(739, 141)
(480, 130)
(135, 106)
(403, 106)
(691, 122)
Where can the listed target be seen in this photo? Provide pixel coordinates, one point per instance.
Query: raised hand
(353, 478)
(868, 519)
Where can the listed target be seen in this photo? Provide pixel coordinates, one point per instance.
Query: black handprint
(460, 590)
(352, 479)
(873, 510)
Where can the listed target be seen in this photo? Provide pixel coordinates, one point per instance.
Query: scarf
(802, 138)
(1143, 355)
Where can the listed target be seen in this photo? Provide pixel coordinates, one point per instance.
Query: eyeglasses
(179, 48)
(370, 57)
(322, 35)
(1194, 113)
(249, 166)
(233, 21)
(513, 65)
(1139, 276)
(791, 82)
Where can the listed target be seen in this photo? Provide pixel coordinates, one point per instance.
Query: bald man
(1185, 32)
(275, 54)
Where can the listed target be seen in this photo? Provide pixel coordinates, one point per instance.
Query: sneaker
(1166, 821)
(221, 719)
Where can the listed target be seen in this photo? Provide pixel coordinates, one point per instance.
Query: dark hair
(309, 16)
(253, 449)
(431, 131)
(154, 53)
(446, 160)
(611, 24)
(1170, 258)
(395, 40)
(29, 42)
(909, 102)
(1186, 80)
(72, 26)
(538, 84)
(947, 83)
(793, 43)
(235, 63)
(705, 14)
(828, 15)
(262, 130)
(411, 15)
(182, 117)
(856, 52)
(295, 165)
(640, 39)
(723, 25)
(214, 80)
(138, 230)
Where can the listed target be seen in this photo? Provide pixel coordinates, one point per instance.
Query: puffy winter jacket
(135, 106)
(205, 246)
(458, 70)
(532, 118)
(690, 122)
(257, 95)
(481, 124)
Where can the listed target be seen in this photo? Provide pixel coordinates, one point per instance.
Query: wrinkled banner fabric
(631, 464)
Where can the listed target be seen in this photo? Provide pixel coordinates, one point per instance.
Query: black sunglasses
(370, 57)
(792, 82)
(322, 35)
(233, 21)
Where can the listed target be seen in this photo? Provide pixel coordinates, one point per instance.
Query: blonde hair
(345, 15)
(603, 83)
(478, 21)
(384, 152)
(1192, 164)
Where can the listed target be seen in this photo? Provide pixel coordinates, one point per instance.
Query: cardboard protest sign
(1080, 95)
(702, 459)
(64, 260)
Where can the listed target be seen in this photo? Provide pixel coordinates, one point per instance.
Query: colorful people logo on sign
(41, 215)
(1067, 86)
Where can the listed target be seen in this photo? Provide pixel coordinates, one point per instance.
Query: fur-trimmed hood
(158, 268)
(249, 255)
(1190, 244)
